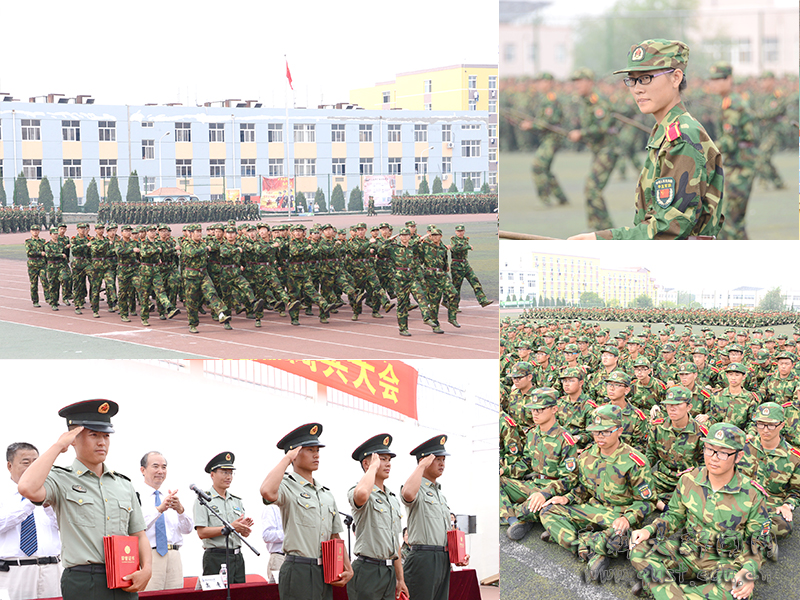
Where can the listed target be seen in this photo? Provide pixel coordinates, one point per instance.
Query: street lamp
(428, 149)
(160, 182)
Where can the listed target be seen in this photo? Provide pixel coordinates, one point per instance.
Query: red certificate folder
(332, 559)
(456, 546)
(122, 558)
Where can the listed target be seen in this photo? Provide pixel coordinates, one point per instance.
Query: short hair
(146, 456)
(12, 450)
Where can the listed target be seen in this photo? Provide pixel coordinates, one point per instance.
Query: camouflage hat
(687, 367)
(460, 227)
(543, 349)
(571, 372)
(544, 397)
(619, 377)
(677, 394)
(99, 225)
(410, 223)
(611, 350)
(720, 70)
(642, 361)
(262, 226)
(545, 76)
(127, 228)
(605, 417)
(162, 226)
(524, 344)
(521, 369)
(54, 229)
(583, 339)
(782, 336)
(772, 329)
(667, 348)
(737, 367)
(770, 412)
(381, 226)
(701, 350)
(549, 334)
(788, 355)
(563, 339)
(36, 227)
(360, 225)
(405, 231)
(232, 222)
(298, 226)
(436, 231)
(373, 228)
(725, 435)
(83, 226)
(111, 225)
(735, 348)
(230, 230)
(571, 349)
(758, 331)
(582, 73)
(652, 55)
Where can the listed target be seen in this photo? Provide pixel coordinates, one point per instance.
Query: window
(493, 182)
(107, 131)
(474, 176)
(305, 167)
(216, 132)
(492, 154)
(1, 168)
(493, 130)
(420, 133)
(394, 133)
(32, 167)
(427, 106)
(473, 104)
(447, 133)
(304, 132)
(365, 133)
(473, 82)
(770, 49)
(338, 166)
(387, 97)
(147, 124)
(365, 166)
(148, 149)
(71, 131)
(492, 106)
(248, 167)
(742, 50)
(420, 165)
(470, 148)
(470, 126)
(532, 50)
(72, 168)
(31, 130)
(276, 167)
(247, 132)
(492, 82)
(447, 165)
(217, 197)
(275, 132)
(183, 167)
(217, 167)
(394, 166)
(183, 132)
(108, 168)
(337, 132)
(148, 184)
(426, 86)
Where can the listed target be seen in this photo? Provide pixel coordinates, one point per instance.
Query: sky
(159, 52)
(685, 266)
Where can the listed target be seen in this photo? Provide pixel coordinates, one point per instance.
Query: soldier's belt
(93, 568)
(434, 270)
(56, 260)
(101, 258)
(223, 551)
(16, 562)
(402, 268)
(302, 559)
(458, 260)
(376, 561)
(423, 548)
(259, 263)
(129, 264)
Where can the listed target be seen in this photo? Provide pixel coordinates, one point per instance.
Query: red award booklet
(332, 559)
(122, 558)
(456, 546)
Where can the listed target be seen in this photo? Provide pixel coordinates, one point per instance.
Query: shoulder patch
(794, 451)
(639, 413)
(706, 393)
(726, 103)
(658, 421)
(787, 404)
(636, 458)
(703, 429)
(673, 132)
(662, 384)
(715, 369)
(664, 191)
(591, 403)
(570, 440)
(510, 421)
(754, 396)
(759, 487)
(685, 471)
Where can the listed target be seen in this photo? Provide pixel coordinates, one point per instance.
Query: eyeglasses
(719, 453)
(644, 79)
(767, 426)
(605, 433)
(538, 411)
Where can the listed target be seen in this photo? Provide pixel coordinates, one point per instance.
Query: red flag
(289, 75)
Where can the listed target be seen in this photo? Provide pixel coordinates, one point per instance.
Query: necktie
(161, 529)
(27, 536)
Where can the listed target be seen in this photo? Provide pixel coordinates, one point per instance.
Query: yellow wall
(71, 150)
(108, 150)
(216, 150)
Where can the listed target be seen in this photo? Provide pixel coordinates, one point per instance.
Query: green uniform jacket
(230, 508)
(428, 516)
(377, 524)
(778, 471)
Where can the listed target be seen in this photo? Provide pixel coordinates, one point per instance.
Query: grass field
(771, 214)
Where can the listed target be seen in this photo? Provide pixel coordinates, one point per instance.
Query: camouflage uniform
(647, 396)
(58, 274)
(405, 282)
(549, 111)
(734, 409)
(298, 280)
(127, 268)
(360, 252)
(81, 268)
(150, 280)
(101, 273)
(460, 269)
(37, 263)
(197, 283)
(438, 286)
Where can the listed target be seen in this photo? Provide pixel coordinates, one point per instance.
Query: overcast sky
(201, 51)
(686, 266)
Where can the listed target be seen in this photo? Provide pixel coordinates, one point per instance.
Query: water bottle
(223, 573)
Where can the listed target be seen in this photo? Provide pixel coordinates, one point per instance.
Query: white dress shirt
(14, 509)
(273, 528)
(176, 525)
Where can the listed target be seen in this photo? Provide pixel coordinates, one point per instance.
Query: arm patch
(570, 440)
(636, 458)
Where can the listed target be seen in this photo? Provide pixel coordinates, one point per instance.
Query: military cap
(341, 231)
(92, 414)
(620, 336)
(738, 367)
(782, 336)
(700, 350)
(611, 350)
(668, 348)
(642, 361)
(232, 222)
(687, 367)
(411, 223)
(605, 417)
(35, 226)
(240, 227)
(770, 340)
(770, 412)
(218, 226)
(127, 228)
(571, 372)
(723, 351)
(571, 349)
(185, 228)
(460, 227)
(223, 460)
(582, 73)
(674, 338)
(374, 228)
(583, 339)
(54, 229)
(262, 226)
(563, 339)
(758, 331)
(549, 334)
(298, 226)
(678, 394)
(543, 349)
(378, 444)
(720, 70)
(434, 446)
(735, 348)
(381, 226)
(524, 344)
(521, 369)
(635, 340)
(405, 231)
(787, 355)
(99, 225)
(791, 343)
(305, 435)
(360, 225)
(436, 231)
(619, 377)
(725, 435)
(544, 397)
(111, 225)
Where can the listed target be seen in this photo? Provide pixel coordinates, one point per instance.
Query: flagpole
(286, 140)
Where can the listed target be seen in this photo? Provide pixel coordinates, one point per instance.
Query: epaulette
(591, 403)
(636, 458)
(787, 404)
(639, 413)
(657, 421)
(759, 487)
(715, 369)
(569, 438)
(706, 393)
(726, 102)
(703, 429)
(794, 451)
(510, 421)
(754, 396)
(673, 132)
(67, 469)
(662, 384)
(685, 471)
(118, 474)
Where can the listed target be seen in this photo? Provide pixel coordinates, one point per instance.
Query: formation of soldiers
(149, 213)
(252, 268)
(444, 204)
(21, 218)
(616, 444)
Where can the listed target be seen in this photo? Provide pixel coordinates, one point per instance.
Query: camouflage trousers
(513, 493)
(236, 291)
(738, 185)
(385, 271)
(599, 174)
(582, 527)
(299, 285)
(151, 283)
(172, 282)
(405, 283)
(80, 275)
(127, 288)
(37, 271)
(332, 285)
(59, 278)
(666, 571)
(546, 183)
(198, 287)
(364, 278)
(461, 270)
(439, 290)
(764, 167)
(101, 272)
(264, 284)
(664, 485)
(781, 528)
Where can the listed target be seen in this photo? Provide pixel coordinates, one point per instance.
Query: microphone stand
(227, 530)
(348, 522)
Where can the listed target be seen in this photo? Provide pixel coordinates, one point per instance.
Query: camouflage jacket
(646, 396)
(573, 416)
(775, 389)
(734, 409)
(671, 451)
(459, 247)
(635, 426)
(80, 247)
(125, 254)
(778, 471)
(551, 454)
(434, 257)
(512, 445)
(596, 122)
(195, 259)
(34, 249)
(737, 138)
(516, 406)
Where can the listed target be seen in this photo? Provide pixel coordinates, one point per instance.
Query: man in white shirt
(273, 538)
(166, 521)
(30, 562)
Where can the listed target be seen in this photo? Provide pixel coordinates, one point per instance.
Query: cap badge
(386, 441)
(313, 430)
(103, 408)
(443, 440)
(765, 411)
(227, 457)
(638, 54)
(720, 434)
(598, 420)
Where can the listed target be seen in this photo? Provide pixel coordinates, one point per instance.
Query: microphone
(200, 493)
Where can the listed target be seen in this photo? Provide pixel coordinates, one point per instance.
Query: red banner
(277, 194)
(388, 383)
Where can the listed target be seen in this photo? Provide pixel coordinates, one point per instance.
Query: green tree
(356, 202)
(45, 194)
(469, 186)
(319, 199)
(92, 204)
(300, 202)
(423, 186)
(113, 195)
(485, 188)
(21, 196)
(2, 193)
(436, 188)
(668, 304)
(591, 299)
(68, 199)
(643, 301)
(134, 194)
(452, 189)
(772, 300)
(685, 298)
(613, 303)
(337, 198)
